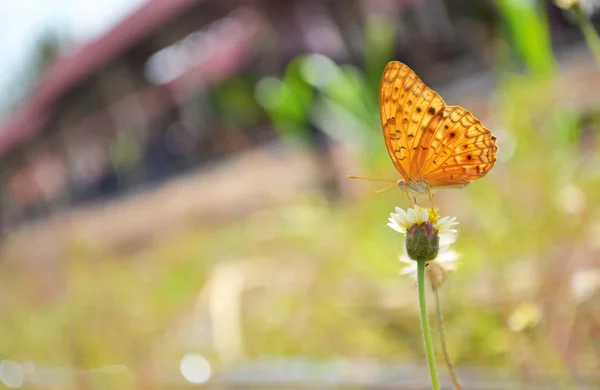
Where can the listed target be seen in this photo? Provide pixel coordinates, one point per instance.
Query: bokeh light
(195, 368)
(11, 374)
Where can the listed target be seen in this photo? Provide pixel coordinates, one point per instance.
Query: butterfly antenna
(371, 179)
(385, 189)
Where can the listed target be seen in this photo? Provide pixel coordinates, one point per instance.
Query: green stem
(589, 32)
(442, 331)
(425, 325)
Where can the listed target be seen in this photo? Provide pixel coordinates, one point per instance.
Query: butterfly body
(431, 144)
(421, 187)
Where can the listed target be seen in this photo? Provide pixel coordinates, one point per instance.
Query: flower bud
(422, 242)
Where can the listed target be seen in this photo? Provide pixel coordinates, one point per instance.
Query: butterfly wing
(407, 107)
(456, 149)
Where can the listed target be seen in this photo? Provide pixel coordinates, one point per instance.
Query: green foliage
(380, 38)
(287, 101)
(529, 33)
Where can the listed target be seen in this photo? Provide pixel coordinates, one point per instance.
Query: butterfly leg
(431, 198)
(407, 196)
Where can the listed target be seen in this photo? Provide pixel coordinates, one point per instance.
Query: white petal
(405, 259)
(417, 213)
(442, 220)
(402, 212)
(447, 232)
(397, 227)
(445, 223)
(409, 270)
(446, 238)
(447, 257)
(402, 218)
(411, 217)
(424, 215)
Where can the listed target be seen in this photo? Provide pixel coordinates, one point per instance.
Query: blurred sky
(74, 21)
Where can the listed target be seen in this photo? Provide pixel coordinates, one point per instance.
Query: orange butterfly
(431, 144)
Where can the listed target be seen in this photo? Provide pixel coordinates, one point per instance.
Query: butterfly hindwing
(459, 150)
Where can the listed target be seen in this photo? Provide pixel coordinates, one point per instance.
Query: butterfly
(431, 144)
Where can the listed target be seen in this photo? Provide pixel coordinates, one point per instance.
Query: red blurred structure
(66, 73)
(84, 100)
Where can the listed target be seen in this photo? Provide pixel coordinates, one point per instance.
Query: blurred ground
(208, 197)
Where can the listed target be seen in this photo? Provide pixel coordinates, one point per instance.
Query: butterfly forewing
(407, 106)
(427, 140)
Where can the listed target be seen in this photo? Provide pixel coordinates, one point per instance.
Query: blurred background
(174, 208)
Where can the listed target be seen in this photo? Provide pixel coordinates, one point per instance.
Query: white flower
(401, 221)
(436, 270)
(445, 261)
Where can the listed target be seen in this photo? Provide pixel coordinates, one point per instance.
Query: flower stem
(425, 325)
(441, 330)
(589, 32)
